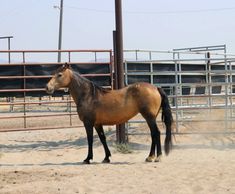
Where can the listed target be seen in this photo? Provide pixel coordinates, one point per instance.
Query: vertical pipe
(136, 55)
(24, 85)
(116, 77)
(9, 61)
(180, 88)
(95, 57)
(126, 73)
(111, 69)
(230, 90)
(151, 73)
(69, 54)
(9, 48)
(121, 136)
(69, 105)
(150, 55)
(70, 109)
(60, 30)
(175, 101)
(119, 43)
(115, 60)
(226, 90)
(208, 62)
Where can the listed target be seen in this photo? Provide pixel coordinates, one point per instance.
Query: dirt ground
(49, 162)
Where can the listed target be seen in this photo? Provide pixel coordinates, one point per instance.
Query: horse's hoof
(158, 159)
(106, 161)
(86, 162)
(150, 159)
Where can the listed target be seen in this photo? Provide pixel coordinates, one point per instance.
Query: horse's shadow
(22, 146)
(65, 164)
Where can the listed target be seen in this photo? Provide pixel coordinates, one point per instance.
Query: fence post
(121, 135)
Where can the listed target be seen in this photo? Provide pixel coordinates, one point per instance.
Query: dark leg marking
(156, 139)
(89, 132)
(102, 137)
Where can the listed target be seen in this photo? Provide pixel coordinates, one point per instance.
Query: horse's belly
(113, 118)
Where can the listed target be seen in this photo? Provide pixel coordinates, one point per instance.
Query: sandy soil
(50, 162)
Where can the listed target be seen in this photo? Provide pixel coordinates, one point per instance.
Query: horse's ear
(66, 66)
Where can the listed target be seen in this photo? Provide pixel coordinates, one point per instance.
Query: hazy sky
(147, 24)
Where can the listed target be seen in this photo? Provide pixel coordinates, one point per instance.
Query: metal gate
(24, 105)
(199, 82)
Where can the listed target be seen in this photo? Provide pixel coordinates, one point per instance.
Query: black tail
(167, 119)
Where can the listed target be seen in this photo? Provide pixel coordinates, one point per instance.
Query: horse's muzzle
(49, 90)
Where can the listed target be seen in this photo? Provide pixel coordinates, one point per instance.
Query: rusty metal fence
(30, 108)
(192, 101)
(199, 83)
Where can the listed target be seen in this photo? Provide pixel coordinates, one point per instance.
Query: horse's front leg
(89, 131)
(100, 131)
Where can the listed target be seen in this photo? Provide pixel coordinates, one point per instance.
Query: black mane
(60, 69)
(94, 86)
(101, 89)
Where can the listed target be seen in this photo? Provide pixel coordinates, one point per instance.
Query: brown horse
(97, 106)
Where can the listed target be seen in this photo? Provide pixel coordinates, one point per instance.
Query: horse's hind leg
(156, 140)
(102, 137)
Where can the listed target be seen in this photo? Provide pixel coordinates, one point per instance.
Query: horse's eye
(59, 75)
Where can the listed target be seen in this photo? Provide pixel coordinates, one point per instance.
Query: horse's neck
(78, 88)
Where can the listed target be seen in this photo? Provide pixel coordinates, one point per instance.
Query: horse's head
(60, 79)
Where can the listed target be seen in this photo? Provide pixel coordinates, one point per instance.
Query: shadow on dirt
(221, 142)
(66, 164)
(22, 146)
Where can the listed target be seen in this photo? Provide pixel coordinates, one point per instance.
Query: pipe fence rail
(27, 106)
(199, 85)
(199, 82)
